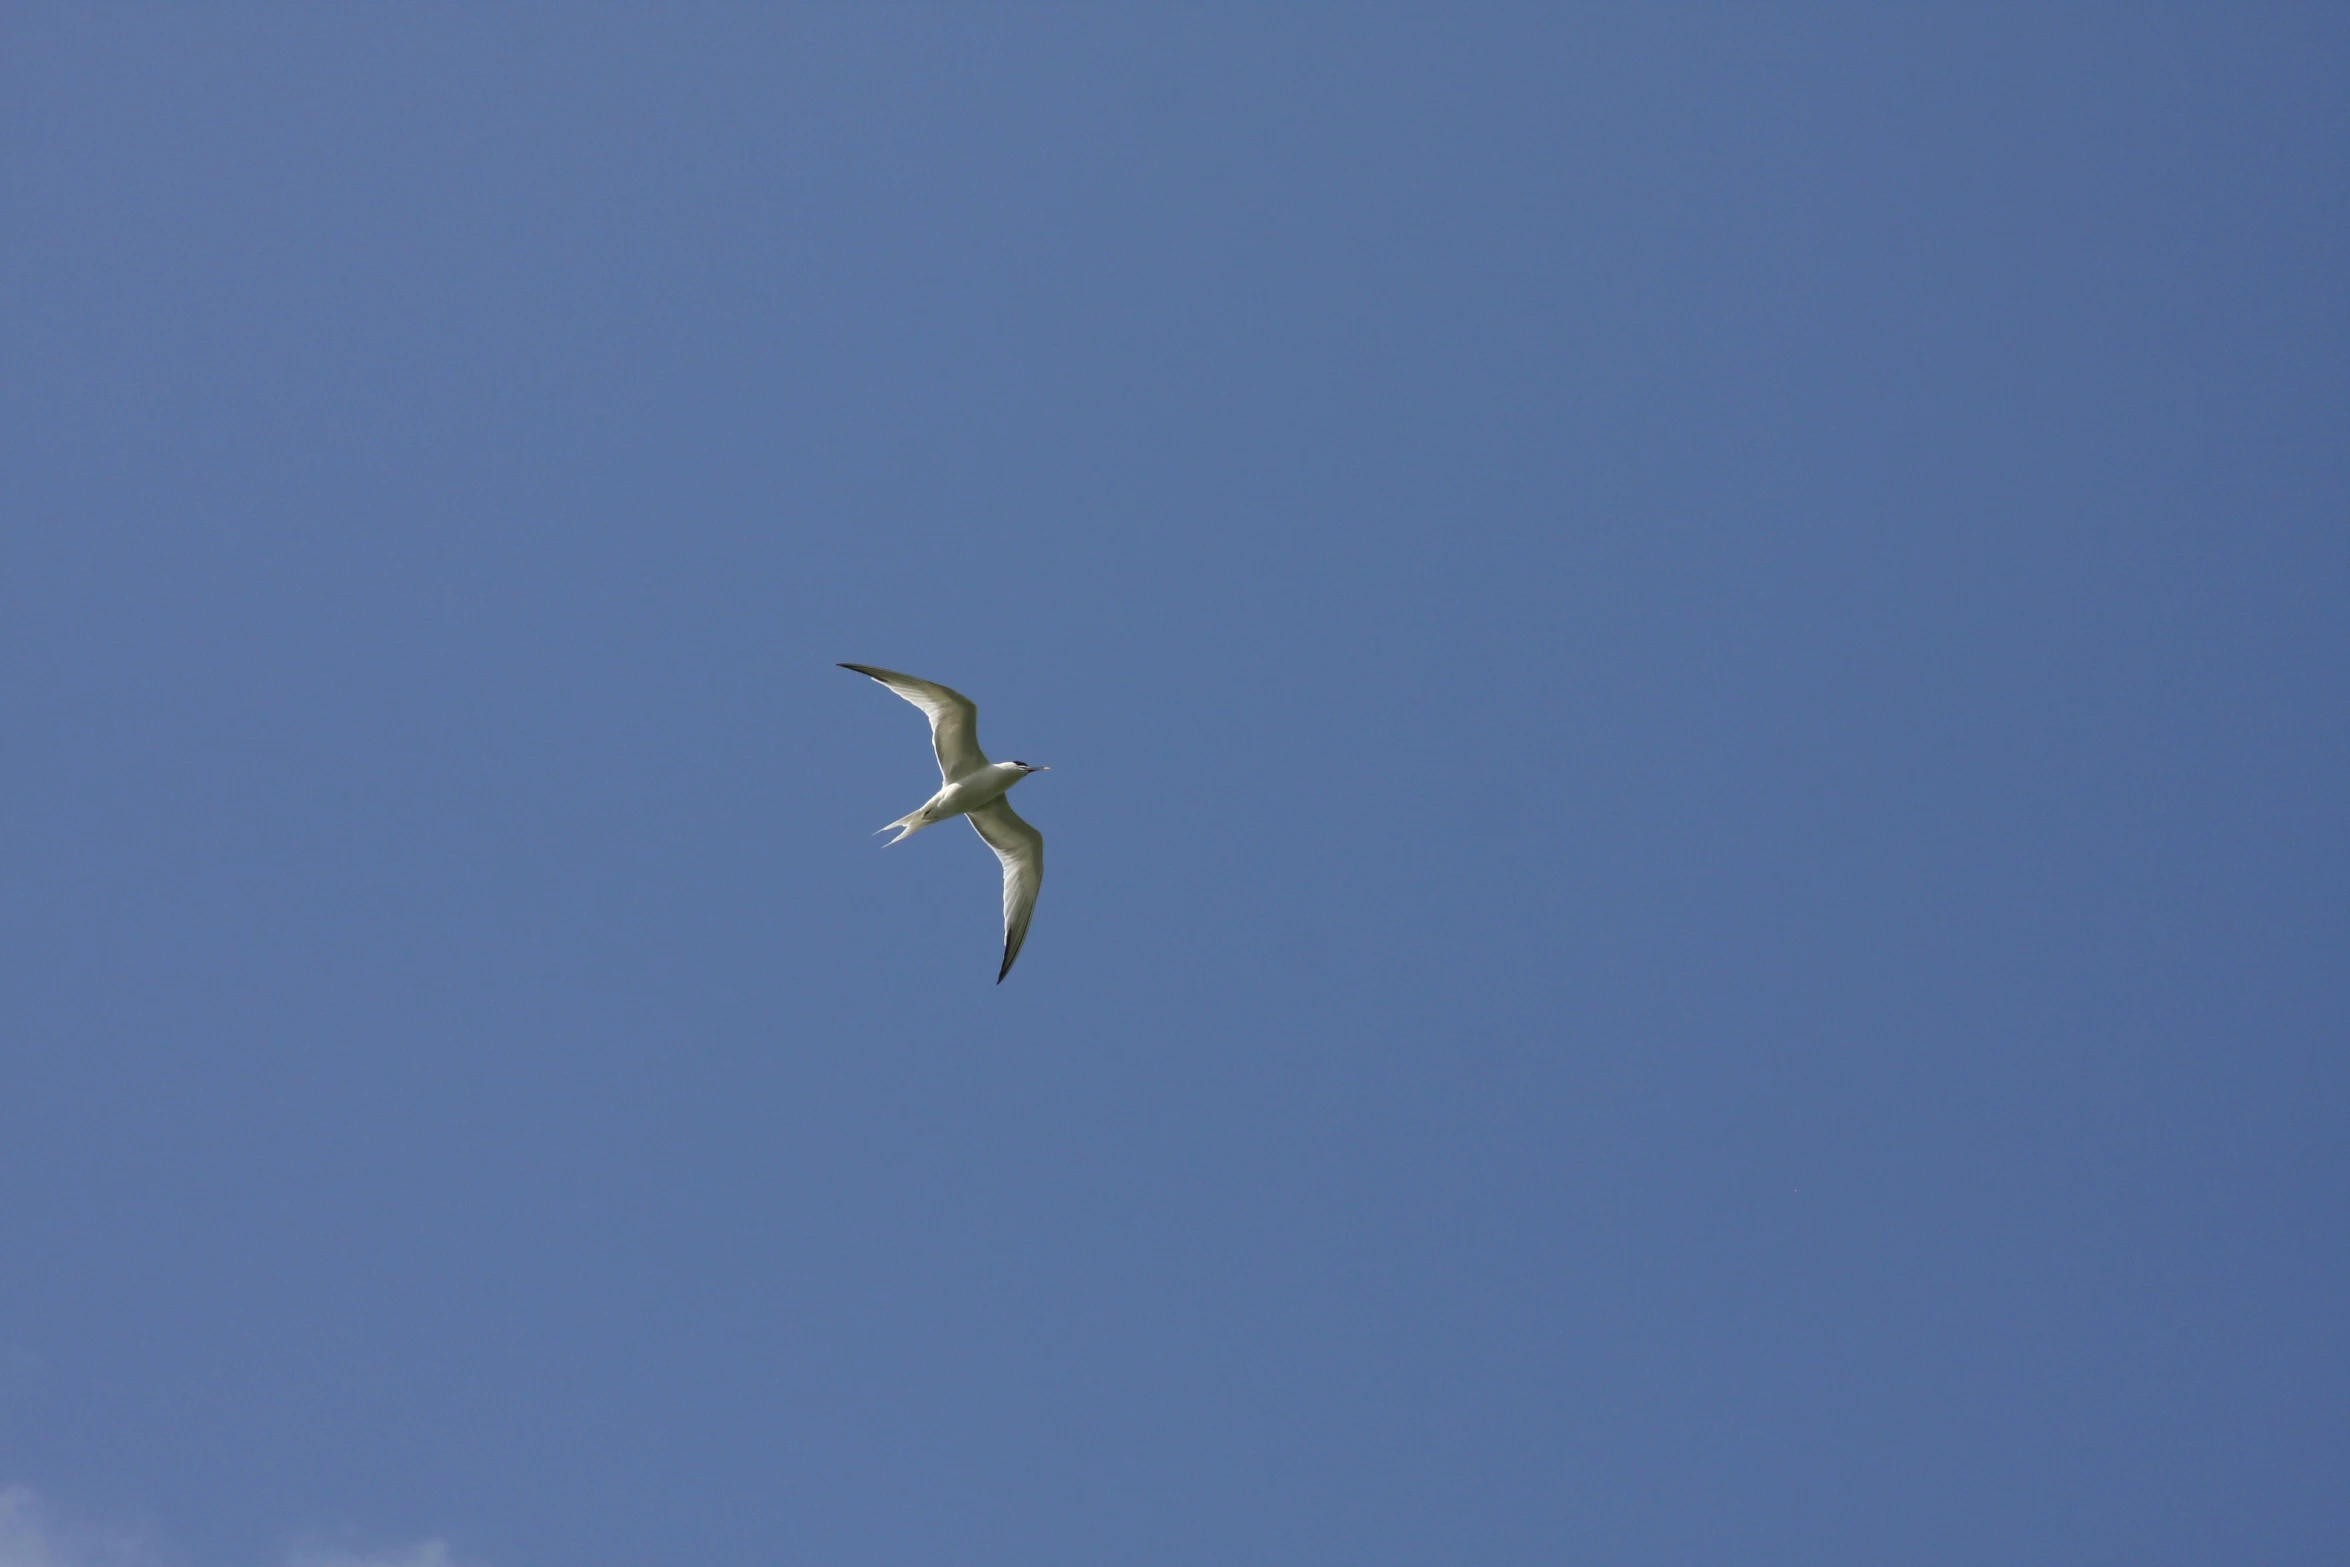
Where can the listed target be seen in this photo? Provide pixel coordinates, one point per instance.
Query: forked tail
(905, 826)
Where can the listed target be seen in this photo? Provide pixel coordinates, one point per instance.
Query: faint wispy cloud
(33, 1535)
(430, 1553)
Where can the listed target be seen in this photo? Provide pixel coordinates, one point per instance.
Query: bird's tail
(905, 826)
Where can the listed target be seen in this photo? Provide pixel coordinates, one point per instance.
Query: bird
(972, 787)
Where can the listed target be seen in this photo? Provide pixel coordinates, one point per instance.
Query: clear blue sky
(1696, 668)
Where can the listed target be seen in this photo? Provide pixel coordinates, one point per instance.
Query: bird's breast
(968, 794)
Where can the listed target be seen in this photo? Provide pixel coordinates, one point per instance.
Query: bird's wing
(1021, 848)
(954, 722)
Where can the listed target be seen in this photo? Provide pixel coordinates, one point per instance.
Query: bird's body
(972, 786)
(964, 795)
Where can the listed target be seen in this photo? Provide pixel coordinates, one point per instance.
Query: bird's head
(1028, 767)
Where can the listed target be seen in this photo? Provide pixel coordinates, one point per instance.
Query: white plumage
(972, 786)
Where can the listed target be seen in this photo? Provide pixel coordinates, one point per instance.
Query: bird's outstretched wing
(1021, 848)
(954, 721)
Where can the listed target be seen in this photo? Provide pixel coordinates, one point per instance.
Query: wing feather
(954, 720)
(1021, 848)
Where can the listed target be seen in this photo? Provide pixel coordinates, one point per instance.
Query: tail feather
(905, 827)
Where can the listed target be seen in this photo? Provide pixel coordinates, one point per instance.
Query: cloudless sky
(1696, 673)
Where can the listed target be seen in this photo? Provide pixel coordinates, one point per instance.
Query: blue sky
(1694, 663)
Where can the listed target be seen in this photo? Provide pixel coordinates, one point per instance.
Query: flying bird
(971, 786)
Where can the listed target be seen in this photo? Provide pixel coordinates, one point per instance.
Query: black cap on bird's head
(1031, 767)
